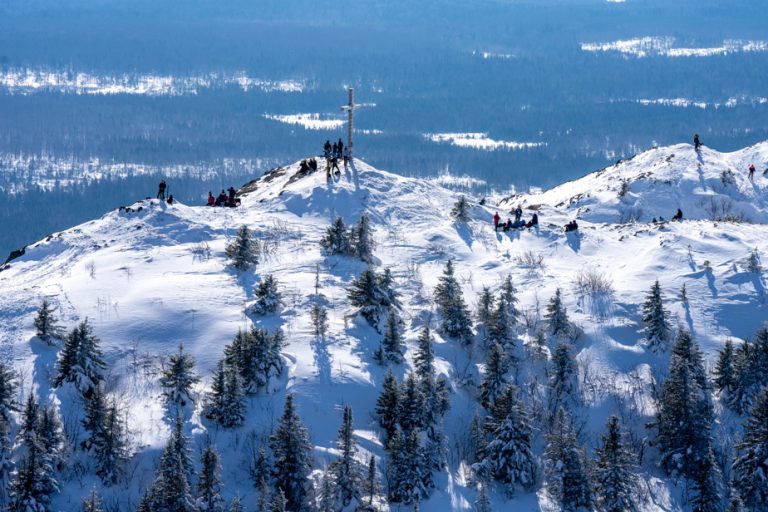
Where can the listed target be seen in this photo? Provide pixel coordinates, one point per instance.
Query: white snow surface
(151, 279)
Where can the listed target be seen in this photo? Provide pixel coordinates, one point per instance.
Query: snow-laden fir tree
(494, 375)
(236, 505)
(209, 482)
(319, 316)
(111, 446)
(225, 403)
(655, 319)
(563, 387)
(95, 409)
(336, 239)
(47, 326)
(268, 297)
(8, 387)
(279, 502)
(392, 344)
(483, 503)
(735, 504)
(260, 471)
(753, 262)
(410, 405)
(567, 470)
(388, 406)
(750, 467)
(34, 481)
(256, 355)
(51, 433)
(433, 390)
(178, 378)
(684, 413)
(80, 361)
(291, 452)
(455, 318)
(706, 486)
(501, 329)
(408, 477)
(326, 499)
(372, 295)
(370, 485)
(724, 372)
(171, 491)
(508, 456)
(751, 371)
(460, 210)
(361, 239)
(243, 251)
(557, 316)
(509, 294)
(6, 463)
(146, 502)
(92, 503)
(346, 475)
(485, 305)
(616, 483)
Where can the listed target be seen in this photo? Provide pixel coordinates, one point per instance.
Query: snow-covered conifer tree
(455, 318)
(406, 469)
(460, 210)
(92, 503)
(361, 239)
(485, 302)
(370, 486)
(501, 329)
(268, 298)
(319, 317)
(81, 360)
(410, 405)
(496, 367)
(655, 319)
(563, 381)
(387, 406)
(557, 316)
(291, 451)
(750, 468)
(684, 415)
(567, 470)
(509, 294)
(751, 371)
(366, 294)
(6, 463)
(46, 324)
(93, 419)
(209, 482)
(508, 455)
(8, 387)
(615, 480)
(225, 404)
(336, 239)
(177, 380)
(111, 446)
(243, 251)
(345, 472)
(724, 373)
(392, 344)
(706, 486)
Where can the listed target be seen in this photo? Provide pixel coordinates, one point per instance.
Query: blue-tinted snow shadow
(706, 273)
(573, 239)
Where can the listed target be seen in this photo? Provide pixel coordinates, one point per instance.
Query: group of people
(224, 199)
(518, 223)
(333, 153)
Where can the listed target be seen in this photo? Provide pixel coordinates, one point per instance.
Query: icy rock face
(155, 275)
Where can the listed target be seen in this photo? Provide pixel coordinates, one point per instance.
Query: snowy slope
(705, 185)
(151, 279)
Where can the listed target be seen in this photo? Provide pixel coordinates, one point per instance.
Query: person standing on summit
(696, 141)
(340, 145)
(751, 172)
(161, 190)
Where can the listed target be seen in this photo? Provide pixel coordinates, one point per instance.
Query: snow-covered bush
(268, 298)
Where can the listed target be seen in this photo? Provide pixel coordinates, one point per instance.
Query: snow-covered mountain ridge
(154, 275)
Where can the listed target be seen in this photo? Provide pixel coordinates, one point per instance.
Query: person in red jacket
(211, 199)
(496, 219)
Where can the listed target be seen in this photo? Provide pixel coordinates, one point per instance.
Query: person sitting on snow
(211, 199)
(678, 215)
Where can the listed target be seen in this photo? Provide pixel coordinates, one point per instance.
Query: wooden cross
(349, 108)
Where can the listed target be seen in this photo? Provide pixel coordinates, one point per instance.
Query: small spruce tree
(750, 468)
(567, 470)
(268, 297)
(81, 361)
(209, 482)
(361, 237)
(557, 316)
(655, 319)
(387, 406)
(46, 324)
(456, 320)
(392, 344)
(460, 210)
(336, 239)
(344, 470)
(291, 451)
(8, 387)
(319, 317)
(243, 251)
(485, 302)
(92, 503)
(494, 380)
(177, 380)
(615, 479)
